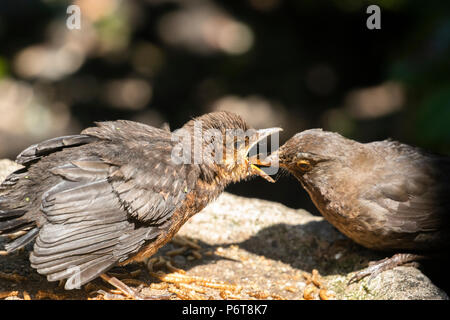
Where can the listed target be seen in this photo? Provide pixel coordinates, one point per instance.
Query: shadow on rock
(313, 245)
(318, 245)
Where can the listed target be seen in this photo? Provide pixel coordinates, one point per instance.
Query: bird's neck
(330, 195)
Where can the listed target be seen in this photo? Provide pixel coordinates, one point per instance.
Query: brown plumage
(383, 195)
(112, 194)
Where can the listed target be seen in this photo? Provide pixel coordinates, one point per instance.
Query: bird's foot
(127, 291)
(377, 267)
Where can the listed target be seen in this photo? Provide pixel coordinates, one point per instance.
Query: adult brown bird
(118, 192)
(384, 195)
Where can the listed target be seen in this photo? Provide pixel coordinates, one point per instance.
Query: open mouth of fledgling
(258, 160)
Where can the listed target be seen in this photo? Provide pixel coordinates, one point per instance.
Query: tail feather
(12, 220)
(17, 212)
(7, 215)
(12, 226)
(22, 241)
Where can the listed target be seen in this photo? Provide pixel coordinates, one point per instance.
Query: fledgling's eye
(304, 165)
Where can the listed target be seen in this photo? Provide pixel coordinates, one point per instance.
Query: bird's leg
(129, 291)
(376, 267)
(121, 286)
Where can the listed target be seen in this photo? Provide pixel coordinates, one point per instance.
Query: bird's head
(226, 141)
(314, 155)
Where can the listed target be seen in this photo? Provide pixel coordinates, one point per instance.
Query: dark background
(294, 64)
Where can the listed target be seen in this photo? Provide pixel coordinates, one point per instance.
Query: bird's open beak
(254, 161)
(271, 160)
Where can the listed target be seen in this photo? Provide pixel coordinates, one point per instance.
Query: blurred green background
(294, 64)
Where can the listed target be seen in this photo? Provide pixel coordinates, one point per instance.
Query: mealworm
(176, 252)
(192, 244)
(290, 289)
(316, 278)
(7, 294)
(276, 297)
(159, 286)
(182, 241)
(190, 287)
(228, 295)
(179, 293)
(133, 282)
(45, 294)
(12, 276)
(196, 254)
(309, 291)
(221, 286)
(307, 277)
(174, 269)
(150, 263)
(324, 294)
(26, 296)
(258, 294)
(111, 296)
(89, 287)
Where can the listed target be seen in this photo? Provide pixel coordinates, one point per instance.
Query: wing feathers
(36, 151)
(87, 227)
(91, 270)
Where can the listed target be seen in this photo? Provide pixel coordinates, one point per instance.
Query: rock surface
(262, 246)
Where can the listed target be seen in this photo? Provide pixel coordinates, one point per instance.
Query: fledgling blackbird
(384, 195)
(114, 193)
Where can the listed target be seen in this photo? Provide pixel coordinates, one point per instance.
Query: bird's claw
(377, 267)
(372, 271)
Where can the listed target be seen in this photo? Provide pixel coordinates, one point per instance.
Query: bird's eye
(304, 165)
